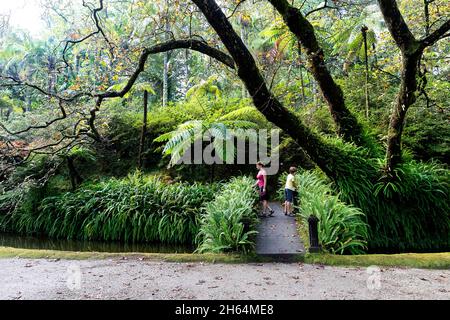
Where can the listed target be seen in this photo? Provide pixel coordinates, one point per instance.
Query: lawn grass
(10, 253)
(410, 260)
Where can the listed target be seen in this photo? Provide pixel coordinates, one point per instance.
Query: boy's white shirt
(291, 178)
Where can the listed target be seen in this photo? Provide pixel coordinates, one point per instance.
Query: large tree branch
(43, 126)
(347, 124)
(196, 45)
(437, 35)
(412, 51)
(13, 82)
(96, 19)
(324, 6)
(397, 26)
(191, 44)
(321, 153)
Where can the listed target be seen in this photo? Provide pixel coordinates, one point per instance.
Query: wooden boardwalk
(278, 236)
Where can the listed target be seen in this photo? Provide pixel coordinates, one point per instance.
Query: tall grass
(25, 197)
(135, 209)
(341, 227)
(408, 213)
(229, 221)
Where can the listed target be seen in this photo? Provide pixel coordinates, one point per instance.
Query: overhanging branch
(96, 19)
(437, 35)
(191, 44)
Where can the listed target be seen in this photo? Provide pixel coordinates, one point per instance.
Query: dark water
(39, 243)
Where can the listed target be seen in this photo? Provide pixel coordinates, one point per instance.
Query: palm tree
(23, 58)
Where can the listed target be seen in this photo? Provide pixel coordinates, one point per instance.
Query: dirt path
(136, 279)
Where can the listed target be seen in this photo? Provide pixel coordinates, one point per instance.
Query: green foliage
(427, 132)
(410, 213)
(82, 153)
(222, 123)
(342, 227)
(9, 201)
(229, 221)
(248, 113)
(36, 169)
(6, 105)
(135, 209)
(205, 89)
(221, 133)
(137, 88)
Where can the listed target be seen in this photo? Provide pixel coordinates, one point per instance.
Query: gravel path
(141, 279)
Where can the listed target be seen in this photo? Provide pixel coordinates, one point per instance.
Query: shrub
(229, 221)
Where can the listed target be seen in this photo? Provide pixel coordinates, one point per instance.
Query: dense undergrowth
(217, 217)
(404, 214)
(410, 213)
(229, 222)
(134, 209)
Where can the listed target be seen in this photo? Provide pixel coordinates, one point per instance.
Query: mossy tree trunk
(346, 123)
(406, 98)
(412, 51)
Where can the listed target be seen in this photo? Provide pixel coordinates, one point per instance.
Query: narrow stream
(40, 243)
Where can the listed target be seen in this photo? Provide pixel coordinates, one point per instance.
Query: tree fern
(220, 132)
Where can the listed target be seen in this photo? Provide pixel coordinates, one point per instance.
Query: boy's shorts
(289, 194)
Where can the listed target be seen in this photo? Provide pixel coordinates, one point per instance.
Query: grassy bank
(411, 260)
(11, 253)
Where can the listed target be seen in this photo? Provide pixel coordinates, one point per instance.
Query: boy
(290, 190)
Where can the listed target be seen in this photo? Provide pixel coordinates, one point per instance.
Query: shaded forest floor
(144, 279)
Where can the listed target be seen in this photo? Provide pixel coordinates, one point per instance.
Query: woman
(261, 183)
